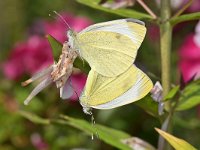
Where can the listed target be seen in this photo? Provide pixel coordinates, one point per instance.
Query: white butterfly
(110, 49)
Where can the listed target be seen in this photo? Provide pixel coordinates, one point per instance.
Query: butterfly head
(71, 38)
(73, 42)
(71, 33)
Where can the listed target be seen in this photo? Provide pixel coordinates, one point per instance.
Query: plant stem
(165, 47)
(183, 8)
(147, 8)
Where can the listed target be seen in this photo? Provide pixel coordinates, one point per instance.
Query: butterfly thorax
(63, 69)
(72, 40)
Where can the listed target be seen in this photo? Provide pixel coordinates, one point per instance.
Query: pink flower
(13, 68)
(189, 63)
(38, 142)
(153, 33)
(39, 54)
(28, 57)
(34, 54)
(78, 81)
(195, 7)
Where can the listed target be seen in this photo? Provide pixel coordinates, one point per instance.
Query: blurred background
(24, 50)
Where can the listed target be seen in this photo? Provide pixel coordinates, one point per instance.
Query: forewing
(111, 47)
(109, 24)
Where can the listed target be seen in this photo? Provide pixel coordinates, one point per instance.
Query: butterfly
(103, 92)
(110, 48)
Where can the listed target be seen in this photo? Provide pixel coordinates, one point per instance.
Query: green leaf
(82, 65)
(177, 143)
(172, 93)
(108, 135)
(190, 96)
(34, 118)
(130, 13)
(56, 46)
(148, 105)
(189, 123)
(186, 17)
(57, 49)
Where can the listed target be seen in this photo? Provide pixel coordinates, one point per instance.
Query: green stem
(165, 44)
(165, 47)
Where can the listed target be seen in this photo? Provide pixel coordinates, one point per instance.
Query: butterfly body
(73, 41)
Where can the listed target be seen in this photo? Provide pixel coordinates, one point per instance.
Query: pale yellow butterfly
(110, 49)
(109, 92)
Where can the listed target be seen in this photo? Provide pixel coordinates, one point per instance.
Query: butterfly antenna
(61, 17)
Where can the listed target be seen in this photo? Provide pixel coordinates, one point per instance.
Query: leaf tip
(158, 130)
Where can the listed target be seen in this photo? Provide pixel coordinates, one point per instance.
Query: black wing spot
(118, 36)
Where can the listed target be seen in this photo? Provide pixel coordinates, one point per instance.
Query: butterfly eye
(69, 33)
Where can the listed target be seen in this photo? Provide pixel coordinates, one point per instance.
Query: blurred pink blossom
(189, 63)
(38, 54)
(178, 4)
(28, 57)
(58, 28)
(38, 142)
(153, 33)
(34, 54)
(13, 67)
(78, 82)
(195, 7)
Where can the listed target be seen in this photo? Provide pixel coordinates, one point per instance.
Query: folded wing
(105, 93)
(111, 47)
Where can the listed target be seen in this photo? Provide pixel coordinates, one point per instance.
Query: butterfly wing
(111, 47)
(105, 93)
